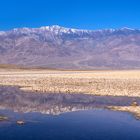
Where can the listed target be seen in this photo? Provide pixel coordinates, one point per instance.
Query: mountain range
(67, 48)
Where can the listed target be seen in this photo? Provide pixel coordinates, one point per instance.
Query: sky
(81, 14)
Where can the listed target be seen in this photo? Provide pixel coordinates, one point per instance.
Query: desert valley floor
(114, 83)
(121, 83)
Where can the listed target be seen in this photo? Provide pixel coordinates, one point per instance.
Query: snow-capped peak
(127, 29)
(51, 27)
(59, 30)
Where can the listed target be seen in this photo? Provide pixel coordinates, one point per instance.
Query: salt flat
(109, 82)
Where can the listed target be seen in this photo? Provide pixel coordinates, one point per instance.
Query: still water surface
(81, 125)
(65, 117)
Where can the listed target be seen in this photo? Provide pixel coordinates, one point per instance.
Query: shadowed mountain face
(59, 47)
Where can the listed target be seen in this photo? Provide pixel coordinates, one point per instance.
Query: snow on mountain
(60, 47)
(56, 29)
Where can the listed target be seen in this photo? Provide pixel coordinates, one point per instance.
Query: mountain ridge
(68, 48)
(57, 27)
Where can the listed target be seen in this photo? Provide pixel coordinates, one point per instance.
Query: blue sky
(85, 14)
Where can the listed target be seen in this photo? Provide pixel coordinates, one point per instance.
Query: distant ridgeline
(66, 48)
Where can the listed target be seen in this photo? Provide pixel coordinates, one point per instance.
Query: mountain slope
(59, 47)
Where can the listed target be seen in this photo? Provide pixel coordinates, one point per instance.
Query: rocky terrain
(66, 48)
(102, 83)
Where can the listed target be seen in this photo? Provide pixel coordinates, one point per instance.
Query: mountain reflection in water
(14, 99)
